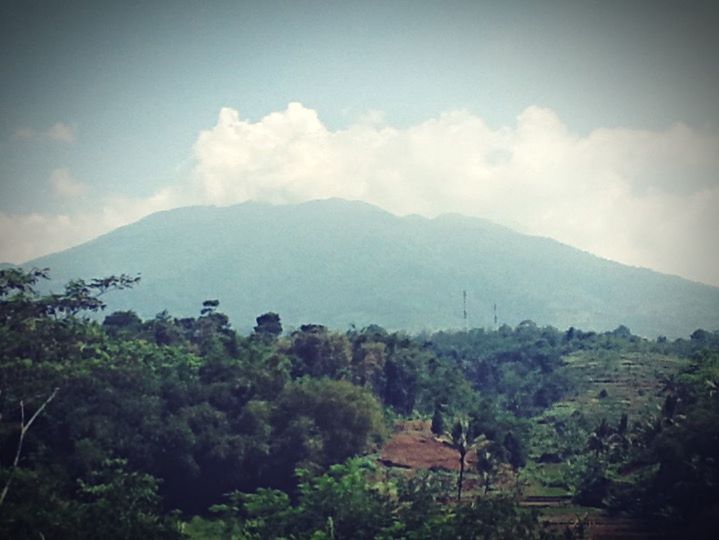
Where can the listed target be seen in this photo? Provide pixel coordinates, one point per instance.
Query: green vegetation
(182, 427)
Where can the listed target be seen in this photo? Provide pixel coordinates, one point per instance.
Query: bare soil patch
(414, 446)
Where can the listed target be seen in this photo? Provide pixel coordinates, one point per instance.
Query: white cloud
(27, 236)
(648, 198)
(62, 132)
(64, 184)
(59, 132)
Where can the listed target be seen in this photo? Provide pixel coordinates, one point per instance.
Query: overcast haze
(596, 124)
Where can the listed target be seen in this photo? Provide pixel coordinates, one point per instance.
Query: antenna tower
(464, 308)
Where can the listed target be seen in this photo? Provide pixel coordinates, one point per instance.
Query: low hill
(338, 263)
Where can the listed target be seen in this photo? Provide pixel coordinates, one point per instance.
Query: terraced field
(605, 385)
(608, 384)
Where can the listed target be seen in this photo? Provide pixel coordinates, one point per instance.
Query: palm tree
(461, 441)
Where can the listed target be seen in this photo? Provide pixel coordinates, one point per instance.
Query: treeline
(141, 424)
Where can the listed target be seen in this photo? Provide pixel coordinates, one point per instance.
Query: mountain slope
(338, 262)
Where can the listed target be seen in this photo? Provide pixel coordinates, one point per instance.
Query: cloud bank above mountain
(647, 198)
(641, 197)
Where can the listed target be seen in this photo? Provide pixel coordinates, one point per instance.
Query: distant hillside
(339, 263)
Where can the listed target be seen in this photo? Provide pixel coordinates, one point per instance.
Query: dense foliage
(132, 427)
(351, 501)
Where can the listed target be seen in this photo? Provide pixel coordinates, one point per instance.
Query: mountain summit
(338, 263)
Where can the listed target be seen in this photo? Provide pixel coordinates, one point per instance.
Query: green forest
(117, 427)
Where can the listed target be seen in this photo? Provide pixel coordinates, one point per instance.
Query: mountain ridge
(339, 262)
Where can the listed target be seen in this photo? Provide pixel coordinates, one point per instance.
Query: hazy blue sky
(592, 122)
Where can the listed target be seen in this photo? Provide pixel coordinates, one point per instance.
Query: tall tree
(462, 441)
(269, 326)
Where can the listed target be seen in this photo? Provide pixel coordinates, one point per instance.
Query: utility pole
(495, 316)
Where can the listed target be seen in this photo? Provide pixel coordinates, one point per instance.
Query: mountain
(338, 263)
